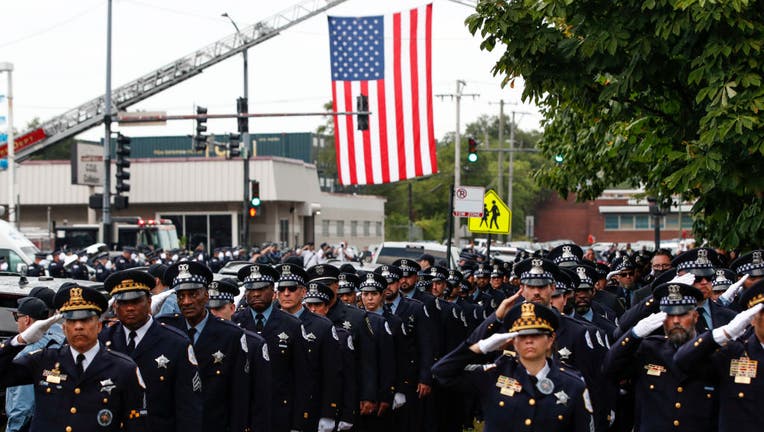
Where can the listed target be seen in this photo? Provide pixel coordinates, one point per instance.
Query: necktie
(131, 342)
(388, 308)
(80, 363)
(703, 323)
(260, 323)
(191, 334)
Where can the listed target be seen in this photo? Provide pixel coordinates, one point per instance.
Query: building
(616, 216)
(204, 197)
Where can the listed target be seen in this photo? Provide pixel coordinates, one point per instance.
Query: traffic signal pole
(106, 210)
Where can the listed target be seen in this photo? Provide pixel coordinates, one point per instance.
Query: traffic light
(558, 158)
(472, 155)
(233, 145)
(252, 212)
(200, 139)
(362, 104)
(123, 163)
(254, 196)
(242, 108)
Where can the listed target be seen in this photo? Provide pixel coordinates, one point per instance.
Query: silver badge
(319, 270)
(107, 386)
(545, 386)
(283, 337)
(183, 272)
(675, 293)
(564, 353)
(537, 267)
(562, 397)
(254, 272)
(720, 276)
(581, 271)
(756, 257)
(346, 325)
(703, 257)
(566, 252)
(162, 361)
(286, 270)
(218, 357)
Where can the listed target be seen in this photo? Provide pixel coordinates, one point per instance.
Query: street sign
(142, 118)
(496, 219)
(468, 201)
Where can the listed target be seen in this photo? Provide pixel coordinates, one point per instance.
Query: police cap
(373, 282)
(531, 318)
(187, 275)
(566, 255)
(751, 263)
(291, 275)
(699, 261)
(222, 292)
(129, 284)
(76, 302)
(257, 276)
(677, 298)
(325, 273)
(318, 293)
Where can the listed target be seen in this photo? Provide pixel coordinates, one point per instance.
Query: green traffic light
(558, 158)
(472, 157)
(255, 202)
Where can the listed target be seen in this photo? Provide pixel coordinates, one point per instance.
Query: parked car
(391, 251)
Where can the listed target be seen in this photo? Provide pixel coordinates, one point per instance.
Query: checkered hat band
(693, 265)
(531, 323)
(529, 275)
(262, 278)
(685, 300)
(193, 279)
(292, 278)
(317, 295)
(189, 285)
(561, 259)
(370, 284)
(223, 296)
(749, 267)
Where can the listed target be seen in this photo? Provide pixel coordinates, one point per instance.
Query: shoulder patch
(387, 329)
(403, 329)
(243, 341)
(266, 357)
(599, 339)
(350, 343)
(437, 304)
(37, 351)
(140, 378)
(304, 333)
(427, 314)
(334, 334)
(587, 401)
(588, 339)
(191, 356)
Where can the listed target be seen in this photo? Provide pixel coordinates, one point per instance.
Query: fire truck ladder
(91, 113)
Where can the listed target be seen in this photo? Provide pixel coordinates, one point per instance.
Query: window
(378, 229)
(220, 231)
(325, 228)
(354, 229)
(611, 222)
(366, 228)
(641, 222)
(284, 231)
(340, 228)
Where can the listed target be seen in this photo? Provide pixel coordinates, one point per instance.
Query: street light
(244, 137)
(8, 67)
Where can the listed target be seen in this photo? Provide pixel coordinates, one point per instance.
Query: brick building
(616, 216)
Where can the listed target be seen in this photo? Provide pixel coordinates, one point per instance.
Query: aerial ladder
(91, 113)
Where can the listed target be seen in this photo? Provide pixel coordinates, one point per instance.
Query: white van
(17, 250)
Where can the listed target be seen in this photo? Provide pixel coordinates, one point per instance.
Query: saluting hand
(735, 328)
(37, 330)
(507, 304)
(730, 293)
(493, 343)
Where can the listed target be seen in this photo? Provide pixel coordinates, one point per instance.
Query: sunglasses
(627, 274)
(699, 279)
(17, 315)
(290, 288)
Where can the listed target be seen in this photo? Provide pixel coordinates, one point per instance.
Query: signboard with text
(87, 164)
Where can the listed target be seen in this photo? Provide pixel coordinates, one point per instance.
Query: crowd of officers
(550, 342)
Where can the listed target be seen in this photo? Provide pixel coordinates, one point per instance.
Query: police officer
(347, 284)
(723, 279)
(74, 269)
(125, 261)
(526, 390)
(323, 354)
(56, 265)
(666, 398)
(734, 352)
(585, 308)
(222, 294)
(36, 269)
(750, 266)
(102, 266)
(317, 300)
(219, 349)
(163, 354)
(82, 385)
(701, 263)
(284, 335)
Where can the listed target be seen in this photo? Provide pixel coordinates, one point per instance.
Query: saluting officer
(36, 269)
(734, 356)
(125, 261)
(284, 336)
(163, 354)
(81, 386)
(102, 271)
(666, 397)
(317, 301)
(585, 308)
(522, 391)
(750, 264)
(222, 294)
(219, 348)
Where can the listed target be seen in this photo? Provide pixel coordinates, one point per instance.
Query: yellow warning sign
(497, 217)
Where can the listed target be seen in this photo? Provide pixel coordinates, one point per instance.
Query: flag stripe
(382, 117)
(365, 136)
(399, 126)
(340, 149)
(428, 95)
(349, 132)
(413, 40)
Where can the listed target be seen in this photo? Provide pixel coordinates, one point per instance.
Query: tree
(663, 94)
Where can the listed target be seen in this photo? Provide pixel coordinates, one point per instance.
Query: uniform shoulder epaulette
(573, 373)
(173, 330)
(33, 352)
(229, 323)
(120, 355)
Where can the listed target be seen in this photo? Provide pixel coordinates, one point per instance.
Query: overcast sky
(58, 49)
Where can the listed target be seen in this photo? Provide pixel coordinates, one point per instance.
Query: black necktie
(388, 308)
(703, 323)
(260, 323)
(131, 342)
(191, 334)
(80, 364)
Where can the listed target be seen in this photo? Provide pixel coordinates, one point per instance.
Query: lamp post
(8, 67)
(245, 140)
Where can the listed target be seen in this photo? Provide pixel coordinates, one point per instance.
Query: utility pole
(8, 68)
(457, 148)
(107, 238)
(511, 165)
(500, 156)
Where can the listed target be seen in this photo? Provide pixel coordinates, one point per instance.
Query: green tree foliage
(62, 150)
(664, 94)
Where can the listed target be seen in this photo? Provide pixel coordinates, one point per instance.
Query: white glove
(158, 300)
(612, 417)
(649, 324)
(687, 279)
(344, 426)
(399, 399)
(37, 330)
(325, 425)
(735, 328)
(495, 341)
(730, 293)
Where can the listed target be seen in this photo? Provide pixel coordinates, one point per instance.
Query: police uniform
(751, 264)
(101, 272)
(56, 267)
(107, 396)
(666, 398)
(287, 349)
(599, 315)
(220, 352)
(36, 269)
(702, 262)
(164, 355)
(511, 401)
(123, 263)
(258, 364)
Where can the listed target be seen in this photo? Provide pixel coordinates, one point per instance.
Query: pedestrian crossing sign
(497, 217)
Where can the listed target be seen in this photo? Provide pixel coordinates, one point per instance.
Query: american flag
(388, 59)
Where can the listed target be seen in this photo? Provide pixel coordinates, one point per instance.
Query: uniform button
(285, 402)
(708, 395)
(679, 389)
(217, 372)
(47, 390)
(676, 422)
(161, 378)
(741, 395)
(68, 429)
(105, 400)
(696, 343)
(501, 403)
(77, 390)
(560, 417)
(677, 405)
(626, 340)
(700, 339)
(652, 386)
(532, 402)
(528, 422)
(73, 410)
